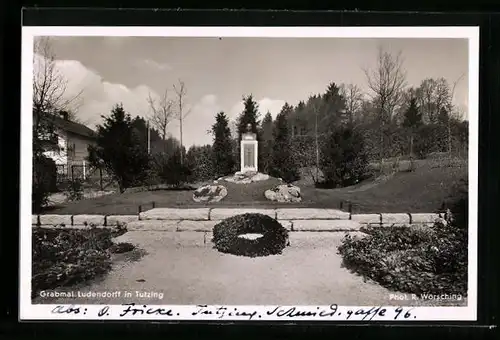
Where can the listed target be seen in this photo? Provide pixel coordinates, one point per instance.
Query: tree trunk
(180, 123)
(381, 146)
(317, 147)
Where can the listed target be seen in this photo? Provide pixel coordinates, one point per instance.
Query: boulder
(284, 193)
(209, 193)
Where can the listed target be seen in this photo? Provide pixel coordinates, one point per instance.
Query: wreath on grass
(229, 235)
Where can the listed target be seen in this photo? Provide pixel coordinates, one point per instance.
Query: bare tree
(181, 92)
(386, 82)
(49, 90)
(353, 97)
(453, 111)
(162, 113)
(433, 95)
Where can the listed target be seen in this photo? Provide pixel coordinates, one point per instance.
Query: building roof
(73, 127)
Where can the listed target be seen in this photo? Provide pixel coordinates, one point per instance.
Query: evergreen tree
(118, 149)
(412, 121)
(283, 165)
(412, 115)
(250, 115)
(267, 142)
(223, 157)
(344, 160)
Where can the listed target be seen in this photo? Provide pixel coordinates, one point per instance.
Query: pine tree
(223, 157)
(412, 121)
(344, 160)
(250, 115)
(283, 165)
(412, 115)
(118, 149)
(267, 142)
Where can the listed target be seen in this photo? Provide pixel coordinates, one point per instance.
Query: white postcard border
(28, 311)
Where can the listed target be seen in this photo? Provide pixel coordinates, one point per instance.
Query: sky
(218, 72)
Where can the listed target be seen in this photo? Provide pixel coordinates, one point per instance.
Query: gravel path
(188, 271)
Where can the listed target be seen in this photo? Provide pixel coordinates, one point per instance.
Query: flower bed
(210, 193)
(411, 259)
(284, 193)
(229, 235)
(64, 257)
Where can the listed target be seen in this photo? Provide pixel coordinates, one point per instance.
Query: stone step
(311, 214)
(207, 226)
(325, 225)
(204, 214)
(197, 214)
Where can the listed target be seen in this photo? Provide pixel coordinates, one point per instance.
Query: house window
(71, 150)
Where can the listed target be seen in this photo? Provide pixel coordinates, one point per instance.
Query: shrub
(62, 257)
(411, 259)
(74, 191)
(170, 170)
(200, 162)
(44, 181)
(458, 202)
(226, 235)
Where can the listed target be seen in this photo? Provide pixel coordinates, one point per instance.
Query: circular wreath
(227, 235)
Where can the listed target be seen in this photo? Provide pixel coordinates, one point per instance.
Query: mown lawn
(423, 190)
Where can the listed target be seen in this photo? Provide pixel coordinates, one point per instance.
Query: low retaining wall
(203, 219)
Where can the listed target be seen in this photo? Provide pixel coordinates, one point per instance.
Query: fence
(90, 176)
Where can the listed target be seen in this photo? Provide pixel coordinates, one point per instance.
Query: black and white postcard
(249, 173)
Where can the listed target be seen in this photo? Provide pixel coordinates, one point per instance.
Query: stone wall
(203, 219)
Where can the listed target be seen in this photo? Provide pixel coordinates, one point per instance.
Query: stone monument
(249, 150)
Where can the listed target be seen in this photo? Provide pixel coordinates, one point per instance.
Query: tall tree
(163, 113)
(344, 159)
(353, 97)
(386, 82)
(433, 95)
(283, 164)
(50, 97)
(267, 142)
(140, 127)
(412, 115)
(222, 149)
(250, 115)
(118, 149)
(332, 108)
(181, 92)
(412, 122)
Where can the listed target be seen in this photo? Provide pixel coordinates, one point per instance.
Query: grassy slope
(420, 191)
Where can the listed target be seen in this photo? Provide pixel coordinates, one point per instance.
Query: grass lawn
(423, 190)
